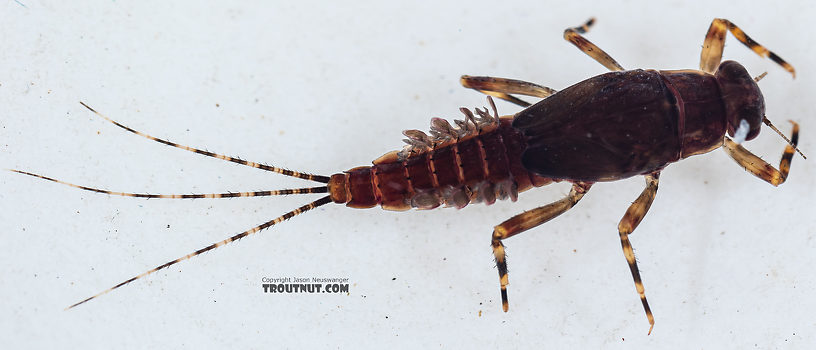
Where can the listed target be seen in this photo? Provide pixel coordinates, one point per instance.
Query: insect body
(609, 127)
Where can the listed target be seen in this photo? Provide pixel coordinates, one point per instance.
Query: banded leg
(628, 223)
(574, 36)
(761, 168)
(503, 87)
(715, 41)
(525, 221)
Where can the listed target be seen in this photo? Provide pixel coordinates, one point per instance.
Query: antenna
(768, 123)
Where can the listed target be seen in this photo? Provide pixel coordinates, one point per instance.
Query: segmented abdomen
(481, 164)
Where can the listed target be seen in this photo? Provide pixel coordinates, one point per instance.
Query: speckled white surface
(727, 260)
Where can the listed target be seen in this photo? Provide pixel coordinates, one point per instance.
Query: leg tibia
(574, 36)
(526, 221)
(759, 167)
(502, 88)
(628, 223)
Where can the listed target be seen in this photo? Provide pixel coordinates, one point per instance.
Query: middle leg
(628, 223)
(574, 36)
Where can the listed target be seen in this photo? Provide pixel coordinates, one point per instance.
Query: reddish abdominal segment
(481, 165)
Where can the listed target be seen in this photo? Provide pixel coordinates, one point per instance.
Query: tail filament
(256, 229)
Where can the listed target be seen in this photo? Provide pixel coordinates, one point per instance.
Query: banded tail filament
(396, 181)
(609, 127)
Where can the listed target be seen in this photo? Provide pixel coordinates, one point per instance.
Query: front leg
(714, 42)
(761, 168)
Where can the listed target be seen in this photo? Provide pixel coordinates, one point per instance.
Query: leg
(574, 36)
(715, 40)
(502, 88)
(525, 221)
(630, 221)
(759, 167)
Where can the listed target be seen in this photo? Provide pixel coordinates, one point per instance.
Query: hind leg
(525, 221)
(503, 87)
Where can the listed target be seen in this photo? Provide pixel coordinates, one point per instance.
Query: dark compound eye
(742, 98)
(621, 124)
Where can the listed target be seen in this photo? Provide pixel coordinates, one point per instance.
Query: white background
(727, 260)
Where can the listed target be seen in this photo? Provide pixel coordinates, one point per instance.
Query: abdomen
(482, 167)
